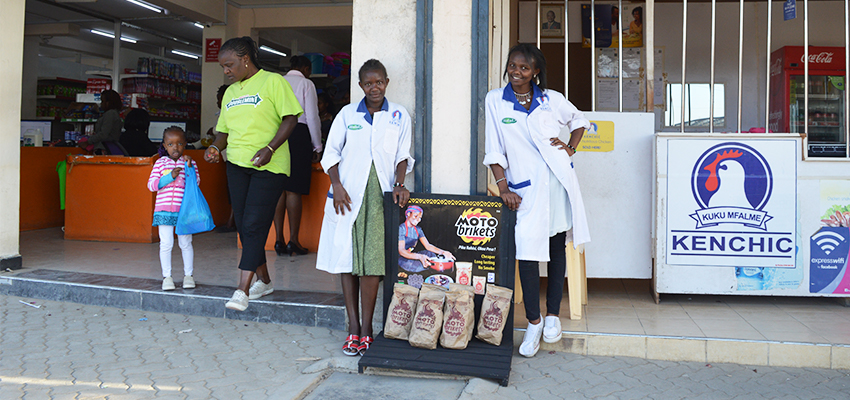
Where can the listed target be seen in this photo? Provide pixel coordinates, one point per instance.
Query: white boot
(531, 342)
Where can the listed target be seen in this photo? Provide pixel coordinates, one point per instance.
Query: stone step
(281, 307)
(700, 349)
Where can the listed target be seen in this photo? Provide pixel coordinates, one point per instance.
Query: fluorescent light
(184, 54)
(112, 36)
(145, 5)
(273, 51)
(199, 25)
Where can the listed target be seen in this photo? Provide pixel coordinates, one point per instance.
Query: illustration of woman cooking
(408, 234)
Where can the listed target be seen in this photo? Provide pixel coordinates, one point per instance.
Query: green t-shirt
(251, 113)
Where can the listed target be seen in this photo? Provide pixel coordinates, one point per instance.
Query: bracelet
(270, 148)
(569, 146)
(397, 184)
(499, 180)
(212, 146)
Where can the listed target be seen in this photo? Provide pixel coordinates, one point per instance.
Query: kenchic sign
(731, 203)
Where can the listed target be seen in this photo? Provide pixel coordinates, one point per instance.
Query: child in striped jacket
(168, 180)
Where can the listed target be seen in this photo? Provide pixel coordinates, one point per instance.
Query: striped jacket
(170, 196)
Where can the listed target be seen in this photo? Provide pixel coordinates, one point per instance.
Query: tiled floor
(626, 306)
(216, 259)
(614, 305)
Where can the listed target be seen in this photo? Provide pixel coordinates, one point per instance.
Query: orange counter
(40, 187)
(312, 212)
(107, 198)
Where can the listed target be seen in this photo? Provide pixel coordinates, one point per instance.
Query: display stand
(479, 359)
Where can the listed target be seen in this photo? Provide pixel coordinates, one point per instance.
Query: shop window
(697, 105)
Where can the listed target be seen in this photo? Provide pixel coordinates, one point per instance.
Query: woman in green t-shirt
(257, 116)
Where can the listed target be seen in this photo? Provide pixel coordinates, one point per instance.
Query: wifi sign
(829, 248)
(827, 241)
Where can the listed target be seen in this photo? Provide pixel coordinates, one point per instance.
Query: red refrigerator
(826, 97)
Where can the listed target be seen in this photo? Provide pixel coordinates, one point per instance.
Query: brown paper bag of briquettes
(458, 319)
(428, 318)
(494, 314)
(400, 313)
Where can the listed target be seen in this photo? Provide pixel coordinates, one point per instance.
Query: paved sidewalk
(71, 351)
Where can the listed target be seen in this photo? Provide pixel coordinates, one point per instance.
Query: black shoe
(292, 248)
(280, 249)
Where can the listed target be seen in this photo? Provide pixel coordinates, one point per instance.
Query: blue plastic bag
(194, 216)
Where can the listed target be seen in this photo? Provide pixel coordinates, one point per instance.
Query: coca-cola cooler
(826, 97)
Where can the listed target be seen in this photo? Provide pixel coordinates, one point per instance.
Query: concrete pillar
(12, 43)
(212, 77)
(386, 30)
(29, 81)
(451, 96)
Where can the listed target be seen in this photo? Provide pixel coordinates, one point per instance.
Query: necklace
(523, 98)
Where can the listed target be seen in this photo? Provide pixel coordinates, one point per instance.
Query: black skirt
(300, 155)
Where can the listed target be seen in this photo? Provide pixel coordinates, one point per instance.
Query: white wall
(451, 93)
(213, 77)
(11, 62)
(386, 30)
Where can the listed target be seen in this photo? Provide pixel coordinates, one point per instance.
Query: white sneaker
(167, 283)
(238, 302)
(260, 289)
(188, 282)
(552, 329)
(531, 342)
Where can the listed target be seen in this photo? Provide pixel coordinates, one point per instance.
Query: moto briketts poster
(442, 241)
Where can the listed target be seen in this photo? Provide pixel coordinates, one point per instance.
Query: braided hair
(242, 46)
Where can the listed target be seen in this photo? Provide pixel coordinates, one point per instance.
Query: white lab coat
(518, 141)
(354, 142)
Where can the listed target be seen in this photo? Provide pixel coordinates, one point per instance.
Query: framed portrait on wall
(552, 20)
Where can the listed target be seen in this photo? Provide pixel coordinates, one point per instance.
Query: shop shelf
(83, 120)
(63, 80)
(174, 99)
(157, 77)
(54, 97)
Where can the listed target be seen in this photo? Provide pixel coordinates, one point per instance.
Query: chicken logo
(731, 182)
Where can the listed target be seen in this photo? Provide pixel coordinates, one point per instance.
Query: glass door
(826, 114)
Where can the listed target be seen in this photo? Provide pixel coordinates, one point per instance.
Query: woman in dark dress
(135, 137)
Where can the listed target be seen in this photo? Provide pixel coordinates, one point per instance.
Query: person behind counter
(258, 114)
(327, 112)
(535, 176)
(135, 137)
(305, 144)
(107, 128)
(168, 180)
(367, 154)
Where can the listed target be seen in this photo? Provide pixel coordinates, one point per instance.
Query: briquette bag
(494, 313)
(428, 318)
(401, 311)
(458, 319)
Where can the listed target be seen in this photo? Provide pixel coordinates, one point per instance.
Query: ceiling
(158, 33)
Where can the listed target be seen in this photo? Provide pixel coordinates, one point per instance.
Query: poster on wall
(606, 17)
(443, 240)
(552, 16)
(829, 246)
(732, 203)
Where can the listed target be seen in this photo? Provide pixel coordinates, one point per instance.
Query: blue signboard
(790, 8)
(828, 265)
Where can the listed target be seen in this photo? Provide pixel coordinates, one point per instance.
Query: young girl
(168, 179)
(367, 154)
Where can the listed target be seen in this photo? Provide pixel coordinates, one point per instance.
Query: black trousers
(529, 277)
(253, 195)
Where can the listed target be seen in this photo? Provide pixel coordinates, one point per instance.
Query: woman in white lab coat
(367, 153)
(535, 175)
